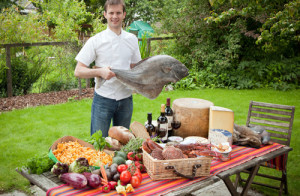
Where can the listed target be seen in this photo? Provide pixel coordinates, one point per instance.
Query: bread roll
(120, 133)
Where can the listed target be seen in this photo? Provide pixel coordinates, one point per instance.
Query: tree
(7, 3)
(66, 17)
(17, 28)
(237, 43)
(145, 10)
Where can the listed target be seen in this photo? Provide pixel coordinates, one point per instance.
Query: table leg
(230, 186)
(233, 190)
(253, 172)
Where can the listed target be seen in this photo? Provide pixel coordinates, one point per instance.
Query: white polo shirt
(108, 49)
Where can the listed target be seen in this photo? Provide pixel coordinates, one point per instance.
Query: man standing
(111, 48)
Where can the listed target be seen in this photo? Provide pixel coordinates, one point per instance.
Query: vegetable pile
(121, 170)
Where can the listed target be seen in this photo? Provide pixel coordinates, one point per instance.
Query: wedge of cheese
(221, 118)
(221, 121)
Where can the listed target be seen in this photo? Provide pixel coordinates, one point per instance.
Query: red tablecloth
(148, 187)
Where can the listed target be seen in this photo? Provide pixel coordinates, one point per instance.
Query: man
(111, 48)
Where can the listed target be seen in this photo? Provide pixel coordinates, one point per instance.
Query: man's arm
(82, 71)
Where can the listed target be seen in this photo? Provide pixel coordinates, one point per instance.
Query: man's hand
(106, 73)
(82, 71)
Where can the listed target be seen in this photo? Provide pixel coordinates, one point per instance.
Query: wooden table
(47, 180)
(252, 166)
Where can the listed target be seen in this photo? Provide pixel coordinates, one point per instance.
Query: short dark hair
(114, 2)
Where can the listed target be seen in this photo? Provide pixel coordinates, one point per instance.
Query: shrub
(226, 42)
(24, 75)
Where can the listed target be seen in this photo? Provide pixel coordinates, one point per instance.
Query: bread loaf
(120, 133)
(115, 144)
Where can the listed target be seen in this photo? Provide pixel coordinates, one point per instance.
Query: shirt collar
(113, 34)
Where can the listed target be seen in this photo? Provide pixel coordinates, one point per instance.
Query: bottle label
(170, 120)
(166, 137)
(163, 126)
(163, 131)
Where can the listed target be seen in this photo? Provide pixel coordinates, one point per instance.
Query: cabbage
(80, 165)
(59, 168)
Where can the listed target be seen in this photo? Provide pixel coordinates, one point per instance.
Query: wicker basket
(176, 168)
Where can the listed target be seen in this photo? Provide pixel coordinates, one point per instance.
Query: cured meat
(157, 154)
(150, 75)
(153, 145)
(170, 152)
(146, 147)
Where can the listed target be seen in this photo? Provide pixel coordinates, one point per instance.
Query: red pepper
(106, 188)
(112, 185)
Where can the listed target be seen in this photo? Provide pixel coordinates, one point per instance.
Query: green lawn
(28, 132)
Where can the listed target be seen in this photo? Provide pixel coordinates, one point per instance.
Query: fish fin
(141, 61)
(153, 94)
(99, 82)
(166, 69)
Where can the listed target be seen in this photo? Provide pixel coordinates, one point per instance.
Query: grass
(31, 131)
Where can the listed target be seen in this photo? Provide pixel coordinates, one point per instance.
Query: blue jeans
(104, 110)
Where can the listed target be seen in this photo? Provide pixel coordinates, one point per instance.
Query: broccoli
(80, 165)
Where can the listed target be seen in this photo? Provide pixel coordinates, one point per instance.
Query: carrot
(103, 181)
(103, 173)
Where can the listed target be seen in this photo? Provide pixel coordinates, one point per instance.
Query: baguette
(120, 133)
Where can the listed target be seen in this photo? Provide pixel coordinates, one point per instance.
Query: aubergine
(94, 180)
(76, 180)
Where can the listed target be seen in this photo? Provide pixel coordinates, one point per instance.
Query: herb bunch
(98, 141)
(39, 164)
(134, 145)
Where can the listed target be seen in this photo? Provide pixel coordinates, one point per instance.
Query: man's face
(115, 16)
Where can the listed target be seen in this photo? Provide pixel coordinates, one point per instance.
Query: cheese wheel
(194, 116)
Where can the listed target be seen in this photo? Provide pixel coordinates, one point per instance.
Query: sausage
(152, 145)
(146, 147)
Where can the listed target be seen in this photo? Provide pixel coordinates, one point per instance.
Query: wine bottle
(162, 124)
(169, 115)
(150, 127)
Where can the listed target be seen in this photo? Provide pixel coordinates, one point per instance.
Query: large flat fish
(150, 75)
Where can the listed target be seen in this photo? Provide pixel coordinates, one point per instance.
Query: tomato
(138, 157)
(125, 176)
(122, 167)
(138, 174)
(130, 156)
(135, 181)
(137, 163)
(142, 167)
